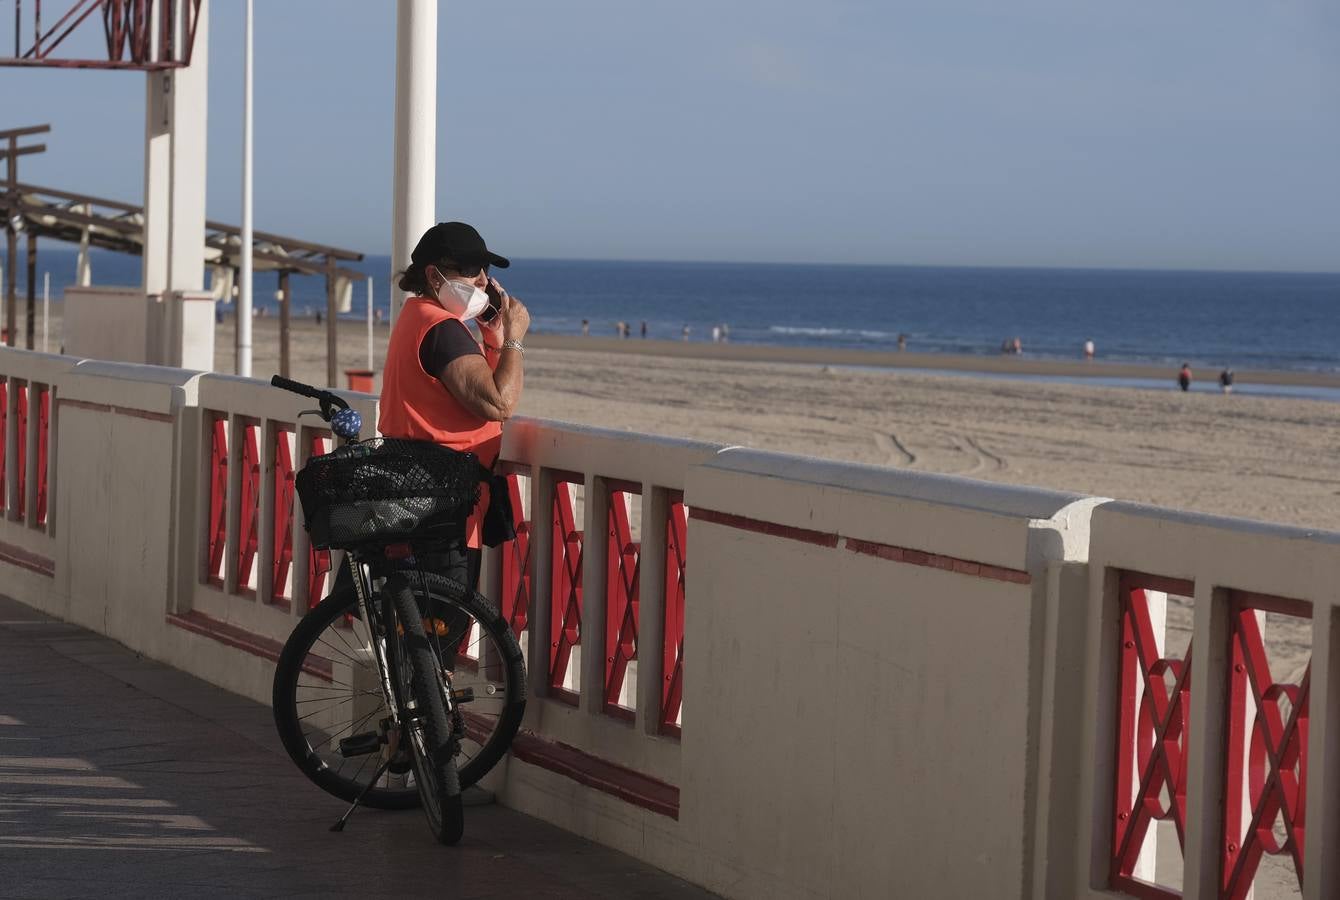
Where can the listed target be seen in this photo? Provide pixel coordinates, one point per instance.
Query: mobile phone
(495, 302)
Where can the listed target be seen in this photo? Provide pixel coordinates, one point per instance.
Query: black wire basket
(385, 489)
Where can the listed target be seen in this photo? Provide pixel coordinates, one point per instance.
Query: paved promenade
(121, 777)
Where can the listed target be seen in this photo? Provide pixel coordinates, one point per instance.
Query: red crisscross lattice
(21, 456)
(516, 564)
(565, 614)
(1273, 756)
(1151, 733)
(218, 495)
(43, 436)
(283, 516)
(318, 561)
(248, 528)
(621, 600)
(676, 556)
(4, 422)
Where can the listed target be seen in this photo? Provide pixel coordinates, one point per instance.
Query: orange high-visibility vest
(414, 404)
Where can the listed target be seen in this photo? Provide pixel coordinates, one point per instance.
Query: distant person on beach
(1184, 377)
(586, 327)
(1088, 349)
(644, 329)
(725, 332)
(318, 317)
(444, 384)
(686, 332)
(1017, 346)
(716, 334)
(1226, 381)
(902, 341)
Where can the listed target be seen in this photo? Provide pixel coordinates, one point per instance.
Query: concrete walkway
(121, 777)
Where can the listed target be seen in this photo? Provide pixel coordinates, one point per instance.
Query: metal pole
(332, 307)
(285, 308)
(244, 301)
(415, 133)
(46, 311)
(370, 368)
(30, 321)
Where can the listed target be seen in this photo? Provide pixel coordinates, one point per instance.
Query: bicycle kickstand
(339, 826)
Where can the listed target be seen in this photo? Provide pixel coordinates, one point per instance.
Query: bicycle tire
(433, 743)
(338, 606)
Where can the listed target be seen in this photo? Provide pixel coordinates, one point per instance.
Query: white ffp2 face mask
(462, 299)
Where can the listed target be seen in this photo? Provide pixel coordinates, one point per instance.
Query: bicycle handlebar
(335, 411)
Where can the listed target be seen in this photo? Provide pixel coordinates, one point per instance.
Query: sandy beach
(1267, 458)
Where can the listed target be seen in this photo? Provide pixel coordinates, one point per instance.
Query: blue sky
(1201, 134)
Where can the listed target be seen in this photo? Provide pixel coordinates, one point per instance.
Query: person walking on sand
(1088, 349)
(686, 332)
(1226, 381)
(586, 327)
(644, 329)
(444, 384)
(1184, 377)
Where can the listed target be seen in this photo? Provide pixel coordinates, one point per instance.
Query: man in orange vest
(442, 383)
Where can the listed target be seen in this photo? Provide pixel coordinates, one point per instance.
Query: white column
(176, 103)
(415, 133)
(244, 300)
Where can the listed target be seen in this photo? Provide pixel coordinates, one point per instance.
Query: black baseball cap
(457, 242)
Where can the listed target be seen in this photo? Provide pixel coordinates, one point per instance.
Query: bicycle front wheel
(417, 672)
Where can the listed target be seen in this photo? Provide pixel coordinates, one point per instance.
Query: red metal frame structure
(128, 30)
(516, 564)
(4, 421)
(621, 596)
(282, 560)
(1272, 754)
(565, 613)
(676, 556)
(248, 528)
(318, 561)
(217, 527)
(1151, 733)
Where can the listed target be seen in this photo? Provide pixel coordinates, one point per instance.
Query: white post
(244, 301)
(415, 133)
(370, 368)
(46, 309)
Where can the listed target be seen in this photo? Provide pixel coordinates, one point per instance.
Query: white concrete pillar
(176, 104)
(415, 163)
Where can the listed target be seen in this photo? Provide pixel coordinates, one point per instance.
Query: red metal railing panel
(318, 561)
(565, 614)
(676, 534)
(21, 456)
(1268, 757)
(218, 496)
(621, 601)
(1151, 738)
(516, 563)
(283, 515)
(248, 529)
(43, 436)
(4, 422)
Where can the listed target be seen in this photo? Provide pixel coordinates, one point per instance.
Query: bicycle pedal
(463, 695)
(360, 744)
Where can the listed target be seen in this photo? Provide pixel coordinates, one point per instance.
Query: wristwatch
(513, 344)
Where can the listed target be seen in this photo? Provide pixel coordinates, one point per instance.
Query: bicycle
(399, 665)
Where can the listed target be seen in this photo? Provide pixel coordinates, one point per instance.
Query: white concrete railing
(892, 683)
(1240, 803)
(28, 402)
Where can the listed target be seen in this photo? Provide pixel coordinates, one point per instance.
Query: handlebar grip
(296, 387)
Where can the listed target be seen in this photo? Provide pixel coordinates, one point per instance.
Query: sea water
(1243, 320)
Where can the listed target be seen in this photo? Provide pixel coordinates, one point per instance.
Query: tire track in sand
(898, 454)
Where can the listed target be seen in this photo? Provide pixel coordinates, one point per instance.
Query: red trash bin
(360, 379)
